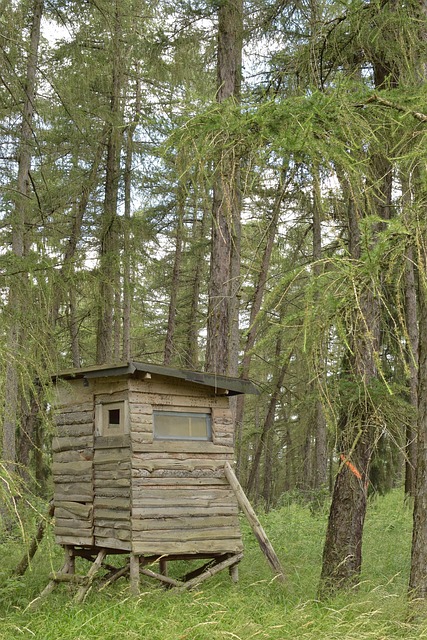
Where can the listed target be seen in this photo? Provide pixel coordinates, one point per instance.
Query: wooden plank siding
(72, 448)
(112, 474)
(181, 501)
(131, 492)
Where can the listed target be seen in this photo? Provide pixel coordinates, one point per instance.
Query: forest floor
(257, 607)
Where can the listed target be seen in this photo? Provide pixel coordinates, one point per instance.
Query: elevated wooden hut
(138, 464)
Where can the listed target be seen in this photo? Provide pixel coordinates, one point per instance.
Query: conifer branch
(422, 117)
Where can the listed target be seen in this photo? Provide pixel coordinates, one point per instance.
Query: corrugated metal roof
(233, 385)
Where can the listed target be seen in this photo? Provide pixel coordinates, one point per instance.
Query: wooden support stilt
(190, 584)
(250, 514)
(163, 566)
(115, 575)
(69, 555)
(82, 592)
(234, 573)
(134, 574)
(158, 576)
(197, 572)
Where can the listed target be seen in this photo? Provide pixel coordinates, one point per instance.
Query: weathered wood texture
(181, 501)
(81, 593)
(259, 532)
(72, 464)
(112, 489)
(134, 493)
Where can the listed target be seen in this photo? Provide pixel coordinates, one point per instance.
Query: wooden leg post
(134, 574)
(81, 593)
(234, 573)
(70, 559)
(163, 566)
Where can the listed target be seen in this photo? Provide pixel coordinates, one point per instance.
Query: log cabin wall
(112, 467)
(72, 464)
(181, 500)
(119, 487)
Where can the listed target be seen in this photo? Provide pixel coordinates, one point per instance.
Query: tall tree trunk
(411, 316)
(66, 272)
(268, 422)
(418, 575)
(17, 286)
(108, 258)
(65, 275)
(320, 430)
(320, 474)
(225, 255)
(176, 273)
(255, 309)
(267, 489)
(127, 280)
(74, 328)
(191, 349)
(412, 324)
(127, 287)
(307, 460)
(117, 320)
(342, 554)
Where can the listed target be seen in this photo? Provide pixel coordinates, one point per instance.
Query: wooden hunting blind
(139, 465)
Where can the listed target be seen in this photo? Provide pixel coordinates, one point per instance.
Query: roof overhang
(218, 382)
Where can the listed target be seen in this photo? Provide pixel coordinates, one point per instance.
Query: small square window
(111, 419)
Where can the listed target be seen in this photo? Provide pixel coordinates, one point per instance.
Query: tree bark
(108, 257)
(412, 325)
(342, 554)
(320, 428)
(74, 328)
(418, 572)
(127, 281)
(65, 274)
(267, 488)
(225, 253)
(191, 349)
(267, 426)
(418, 575)
(176, 273)
(320, 475)
(411, 316)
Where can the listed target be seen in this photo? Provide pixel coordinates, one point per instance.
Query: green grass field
(257, 607)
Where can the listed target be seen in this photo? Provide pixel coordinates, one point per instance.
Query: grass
(257, 607)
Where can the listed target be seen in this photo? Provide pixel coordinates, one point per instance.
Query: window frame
(200, 412)
(103, 427)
